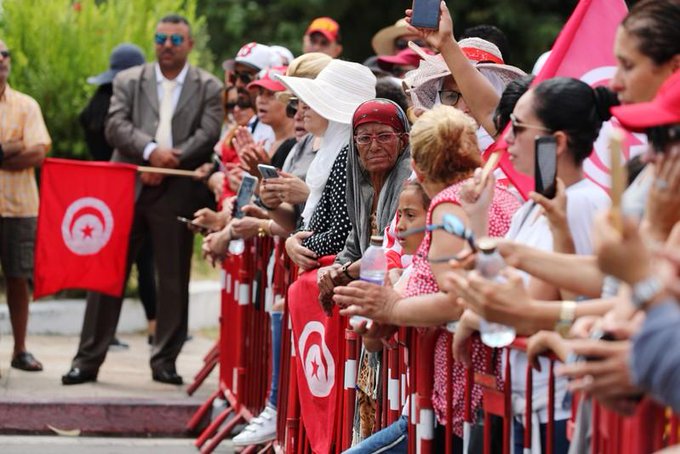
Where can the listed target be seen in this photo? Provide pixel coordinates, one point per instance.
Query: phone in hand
(545, 166)
(202, 229)
(267, 171)
(244, 194)
(426, 14)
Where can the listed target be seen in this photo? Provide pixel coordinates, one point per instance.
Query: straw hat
(383, 41)
(423, 83)
(336, 92)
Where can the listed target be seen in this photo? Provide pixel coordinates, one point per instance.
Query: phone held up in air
(267, 172)
(202, 229)
(244, 194)
(545, 170)
(426, 14)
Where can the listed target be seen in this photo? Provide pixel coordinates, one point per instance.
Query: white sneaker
(261, 429)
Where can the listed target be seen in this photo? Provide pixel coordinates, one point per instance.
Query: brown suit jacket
(196, 124)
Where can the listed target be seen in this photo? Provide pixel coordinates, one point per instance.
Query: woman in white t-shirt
(572, 113)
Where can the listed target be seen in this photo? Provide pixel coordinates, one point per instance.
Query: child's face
(412, 215)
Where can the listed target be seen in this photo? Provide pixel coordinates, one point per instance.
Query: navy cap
(123, 56)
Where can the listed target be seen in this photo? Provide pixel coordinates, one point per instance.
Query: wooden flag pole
(175, 172)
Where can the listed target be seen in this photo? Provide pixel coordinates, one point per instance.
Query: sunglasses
(245, 78)
(450, 224)
(176, 39)
(518, 126)
(292, 107)
(5, 53)
(241, 103)
(449, 97)
(402, 43)
(661, 136)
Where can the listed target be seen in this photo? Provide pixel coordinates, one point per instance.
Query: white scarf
(335, 138)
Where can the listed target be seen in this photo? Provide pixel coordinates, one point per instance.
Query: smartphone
(244, 194)
(426, 14)
(267, 172)
(545, 170)
(202, 229)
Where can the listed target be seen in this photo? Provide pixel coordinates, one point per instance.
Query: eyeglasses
(246, 78)
(241, 103)
(518, 126)
(450, 224)
(402, 43)
(450, 97)
(176, 39)
(292, 107)
(382, 138)
(5, 53)
(661, 136)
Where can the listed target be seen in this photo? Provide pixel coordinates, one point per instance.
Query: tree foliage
(57, 44)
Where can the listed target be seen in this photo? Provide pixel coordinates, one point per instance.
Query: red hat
(406, 57)
(326, 26)
(664, 109)
(267, 80)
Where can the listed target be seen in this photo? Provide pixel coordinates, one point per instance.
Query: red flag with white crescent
(84, 223)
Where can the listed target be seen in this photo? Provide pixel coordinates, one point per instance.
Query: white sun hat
(336, 92)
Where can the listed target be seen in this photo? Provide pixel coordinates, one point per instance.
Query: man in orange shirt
(24, 142)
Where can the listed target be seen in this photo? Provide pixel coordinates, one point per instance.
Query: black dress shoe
(167, 376)
(77, 376)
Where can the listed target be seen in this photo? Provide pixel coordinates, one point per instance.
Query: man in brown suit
(165, 114)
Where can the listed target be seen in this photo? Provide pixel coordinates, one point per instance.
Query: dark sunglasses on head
(402, 44)
(241, 103)
(292, 107)
(450, 224)
(5, 53)
(661, 136)
(176, 39)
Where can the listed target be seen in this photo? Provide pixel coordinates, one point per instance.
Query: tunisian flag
(584, 50)
(319, 349)
(84, 222)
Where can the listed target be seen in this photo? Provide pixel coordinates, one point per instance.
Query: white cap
(258, 56)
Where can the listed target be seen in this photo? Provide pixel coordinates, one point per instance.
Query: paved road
(86, 445)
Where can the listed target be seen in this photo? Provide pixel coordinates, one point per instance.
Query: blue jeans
(560, 441)
(275, 322)
(391, 439)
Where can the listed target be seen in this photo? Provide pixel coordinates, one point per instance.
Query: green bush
(57, 44)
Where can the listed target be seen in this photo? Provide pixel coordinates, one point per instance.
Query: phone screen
(426, 14)
(267, 171)
(245, 193)
(546, 166)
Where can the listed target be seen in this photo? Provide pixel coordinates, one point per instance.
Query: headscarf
(334, 140)
(359, 188)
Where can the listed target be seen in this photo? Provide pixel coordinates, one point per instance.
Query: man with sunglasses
(24, 142)
(164, 114)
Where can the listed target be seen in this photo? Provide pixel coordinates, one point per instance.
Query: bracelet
(268, 229)
(345, 271)
(265, 206)
(261, 232)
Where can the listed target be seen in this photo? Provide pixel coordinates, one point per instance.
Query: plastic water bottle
(373, 270)
(489, 264)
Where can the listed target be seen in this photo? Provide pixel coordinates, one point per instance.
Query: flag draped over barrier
(583, 50)
(84, 224)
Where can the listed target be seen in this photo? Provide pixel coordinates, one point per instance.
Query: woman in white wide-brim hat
(328, 103)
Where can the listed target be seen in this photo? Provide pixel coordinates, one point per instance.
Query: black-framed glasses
(383, 138)
(450, 97)
(241, 103)
(518, 126)
(661, 136)
(176, 39)
(401, 43)
(5, 53)
(292, 107)
(450, 224)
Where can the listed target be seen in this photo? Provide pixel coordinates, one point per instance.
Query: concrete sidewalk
(85, 445)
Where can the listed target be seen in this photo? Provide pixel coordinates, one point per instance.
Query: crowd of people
(393, 148)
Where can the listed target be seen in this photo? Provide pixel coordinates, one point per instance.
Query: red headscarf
(379, 111)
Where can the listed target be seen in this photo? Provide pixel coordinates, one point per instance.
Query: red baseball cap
(326, 26)
(664, 109)
(267, 80)
(406, 57)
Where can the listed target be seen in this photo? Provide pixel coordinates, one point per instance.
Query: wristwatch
(345, 271)
(645, 290)
(567, 316)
